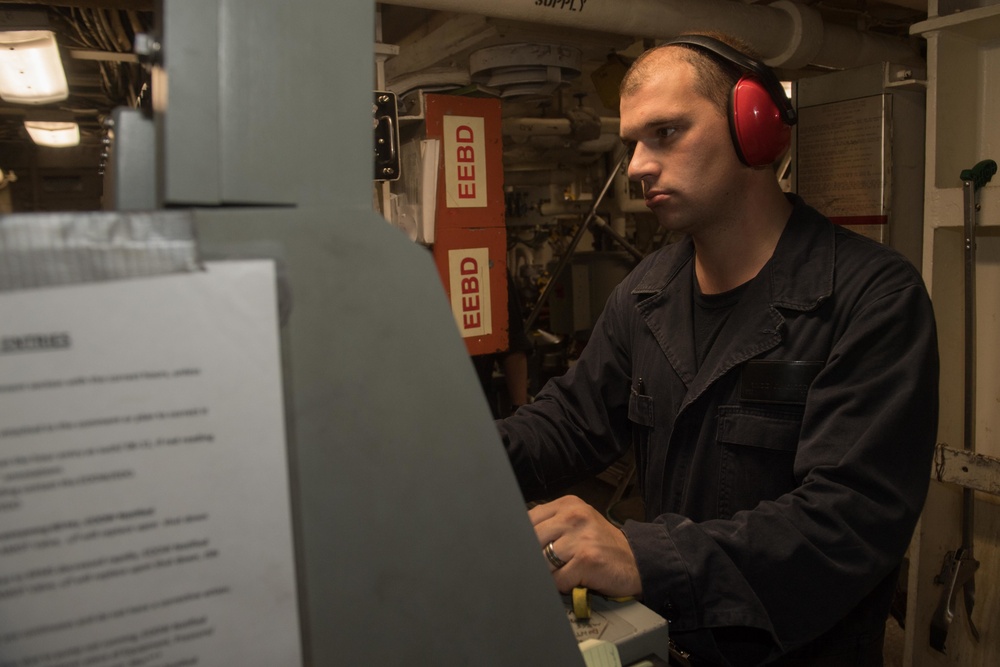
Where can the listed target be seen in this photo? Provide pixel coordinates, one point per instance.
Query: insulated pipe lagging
(805, 36)
(787, 34)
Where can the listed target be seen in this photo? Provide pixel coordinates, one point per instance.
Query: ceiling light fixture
(31, 69)
(55, 134)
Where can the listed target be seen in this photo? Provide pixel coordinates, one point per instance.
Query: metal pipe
(970, 201)
(623, 199)
(618, 238)
(519, 127)
(786, 33)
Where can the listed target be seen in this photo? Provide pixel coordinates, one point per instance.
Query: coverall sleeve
(771, 579)
(578, 423)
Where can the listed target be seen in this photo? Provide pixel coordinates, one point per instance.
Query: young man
(777, 377)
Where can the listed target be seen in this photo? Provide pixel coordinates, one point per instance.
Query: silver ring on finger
(550, 555)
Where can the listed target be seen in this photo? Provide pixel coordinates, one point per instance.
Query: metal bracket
(385, 122)
(967, 469)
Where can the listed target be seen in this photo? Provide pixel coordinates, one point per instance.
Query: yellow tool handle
(581, 603)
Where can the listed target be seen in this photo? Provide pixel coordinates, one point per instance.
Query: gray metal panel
(275, 64)
(255, 103)
(287, 128)
(186, 102)
(130, 183)
(415, 544)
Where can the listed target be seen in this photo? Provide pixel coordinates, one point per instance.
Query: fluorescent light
(31, 70)
(54, 134)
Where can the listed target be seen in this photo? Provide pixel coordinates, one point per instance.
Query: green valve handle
(981, 174)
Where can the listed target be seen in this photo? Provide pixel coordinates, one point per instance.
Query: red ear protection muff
(759, 133)
(760, 114)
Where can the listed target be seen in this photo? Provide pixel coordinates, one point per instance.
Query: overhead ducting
(787, 34)
(522, 70)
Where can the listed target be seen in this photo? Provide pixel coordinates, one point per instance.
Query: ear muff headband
(760, 114)
(762, 71)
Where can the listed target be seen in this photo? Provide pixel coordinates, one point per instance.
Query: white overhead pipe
(787, 34)
(536, 127)
(623, 198)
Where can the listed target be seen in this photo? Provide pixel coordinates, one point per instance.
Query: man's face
(681, 149)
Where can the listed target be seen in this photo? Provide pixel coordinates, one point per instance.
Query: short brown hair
(715, 76)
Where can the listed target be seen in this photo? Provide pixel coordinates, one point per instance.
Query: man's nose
(639, 164)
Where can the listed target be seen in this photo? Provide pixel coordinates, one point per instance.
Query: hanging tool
(959, 568)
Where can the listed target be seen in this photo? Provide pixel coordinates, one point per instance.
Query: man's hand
(596, 553)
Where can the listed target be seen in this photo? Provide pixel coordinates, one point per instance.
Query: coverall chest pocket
(756, 456)
(640, 414)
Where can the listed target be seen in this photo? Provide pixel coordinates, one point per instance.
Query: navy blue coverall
(782, 479)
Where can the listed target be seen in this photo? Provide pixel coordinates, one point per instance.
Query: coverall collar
(800, 271)
(799, 276)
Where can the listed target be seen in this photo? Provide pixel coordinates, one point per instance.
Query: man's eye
(665, 132)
